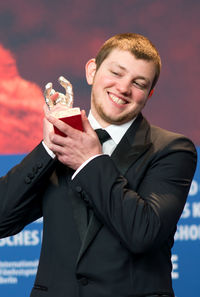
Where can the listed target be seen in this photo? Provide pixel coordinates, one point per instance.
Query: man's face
(120, 87)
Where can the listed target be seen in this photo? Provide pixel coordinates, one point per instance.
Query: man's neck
(99, 120)
(116, 131)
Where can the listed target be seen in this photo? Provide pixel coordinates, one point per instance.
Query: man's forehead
(124, 64)
(119, 57)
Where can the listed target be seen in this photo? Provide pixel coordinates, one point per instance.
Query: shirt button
(85, 199)
(30, 175)
(27, 180)
(39, 165)
(35, 169)
(78, 189)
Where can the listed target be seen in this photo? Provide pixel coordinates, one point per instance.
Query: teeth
(117, 100)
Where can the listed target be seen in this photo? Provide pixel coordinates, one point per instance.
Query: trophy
(62, 106)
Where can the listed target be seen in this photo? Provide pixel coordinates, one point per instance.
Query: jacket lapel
(134, 143)
(92, 230)
(80, 214)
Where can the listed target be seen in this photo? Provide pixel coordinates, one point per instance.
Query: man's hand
(77, 147)
(47, 126)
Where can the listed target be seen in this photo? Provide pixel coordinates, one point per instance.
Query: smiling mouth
(117, 99)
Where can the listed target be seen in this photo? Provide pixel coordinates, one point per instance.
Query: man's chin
(116, 120)
(110, 118)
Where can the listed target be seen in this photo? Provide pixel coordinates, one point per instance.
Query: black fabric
(132, 194)
(103, 135)
(159, 295)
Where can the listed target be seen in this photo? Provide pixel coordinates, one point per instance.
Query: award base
(71, 116)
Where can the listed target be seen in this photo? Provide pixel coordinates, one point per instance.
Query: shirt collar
(116, 132)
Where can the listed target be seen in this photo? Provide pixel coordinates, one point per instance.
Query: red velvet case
(74, 121)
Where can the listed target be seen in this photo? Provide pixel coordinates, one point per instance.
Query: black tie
(103, 135)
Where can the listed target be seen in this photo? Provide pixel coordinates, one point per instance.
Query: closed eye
(115, 73)
(139, 85)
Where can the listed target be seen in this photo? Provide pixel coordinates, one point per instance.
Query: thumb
(87, 128)
(45, 109)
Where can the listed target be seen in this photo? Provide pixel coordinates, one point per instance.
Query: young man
(110, 211)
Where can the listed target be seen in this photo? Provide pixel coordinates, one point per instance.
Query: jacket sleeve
(145, 215)
(21, 191)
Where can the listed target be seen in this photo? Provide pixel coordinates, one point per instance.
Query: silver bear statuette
(64, 99)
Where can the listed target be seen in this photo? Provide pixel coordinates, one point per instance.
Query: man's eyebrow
(143, 78)
(118, 65)
(124, 69)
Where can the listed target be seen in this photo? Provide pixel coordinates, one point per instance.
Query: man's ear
(150, 93)
(90, 70)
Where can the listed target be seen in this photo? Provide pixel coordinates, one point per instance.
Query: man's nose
(124, 87)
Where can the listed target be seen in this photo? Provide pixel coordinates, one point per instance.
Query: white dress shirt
(116, 133)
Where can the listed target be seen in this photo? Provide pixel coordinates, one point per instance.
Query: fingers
(63, 127)
(58, 143)
(67, 130)
(45, 109)
(78, 146)
(86, 124)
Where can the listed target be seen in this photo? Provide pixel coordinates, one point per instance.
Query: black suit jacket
(109, 231)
